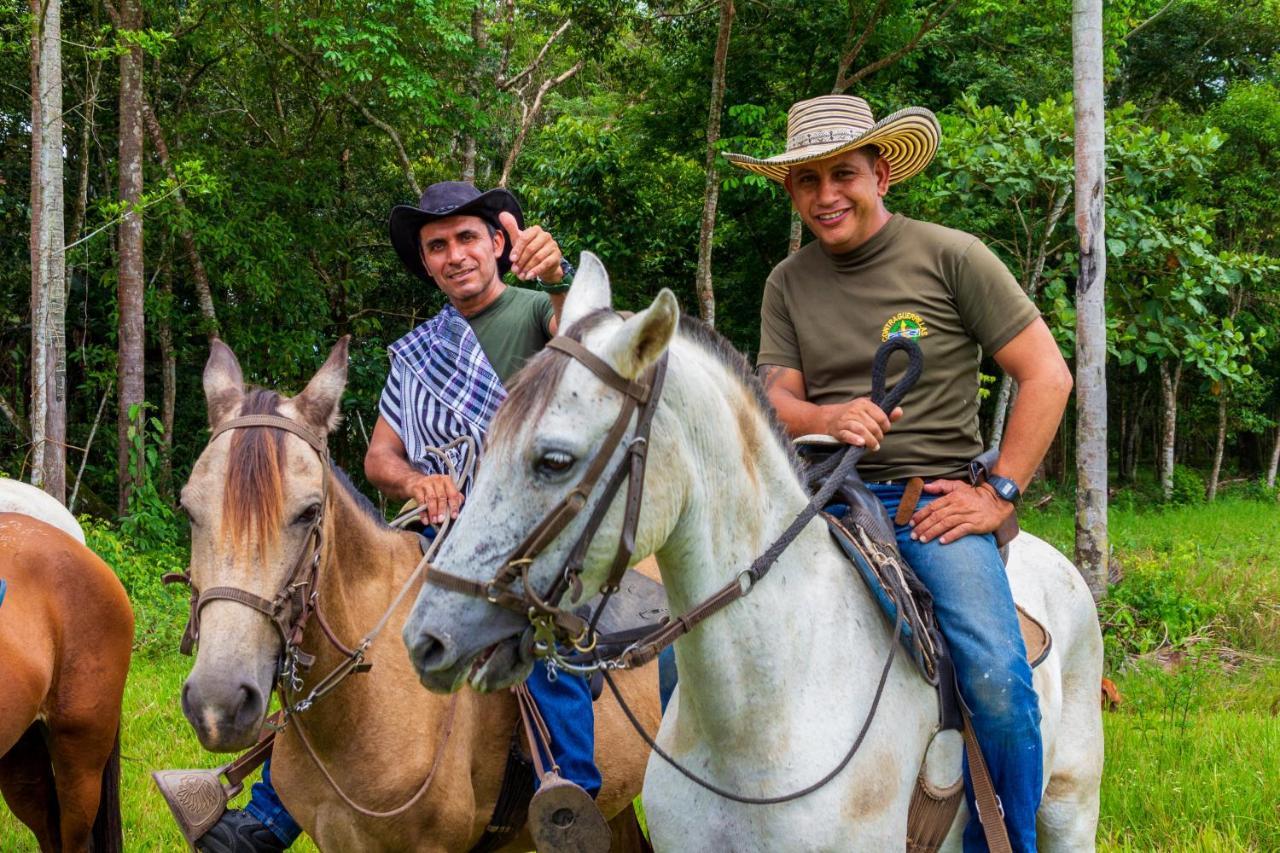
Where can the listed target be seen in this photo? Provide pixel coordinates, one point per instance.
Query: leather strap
(638, 391)
(990, 812)
(910, 498)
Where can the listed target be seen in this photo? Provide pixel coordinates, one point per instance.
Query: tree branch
(930, 21)
(405, 164)
(514, 82)
(530, 116)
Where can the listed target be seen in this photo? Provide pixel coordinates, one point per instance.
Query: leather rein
(551, 624)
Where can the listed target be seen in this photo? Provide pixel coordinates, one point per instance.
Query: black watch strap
(1005, 488)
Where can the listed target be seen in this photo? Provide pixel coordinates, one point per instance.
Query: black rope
(783, 798)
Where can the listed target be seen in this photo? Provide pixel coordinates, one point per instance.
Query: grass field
(1193, 753)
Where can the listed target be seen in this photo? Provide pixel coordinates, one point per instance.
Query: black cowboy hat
(450, 198)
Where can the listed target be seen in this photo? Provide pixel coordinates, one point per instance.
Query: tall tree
(1091, 328)
(130, 285)
(48, 257)
(711, 195)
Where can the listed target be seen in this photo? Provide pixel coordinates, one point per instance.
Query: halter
(550, 622)
(553, 625)
(291, 608)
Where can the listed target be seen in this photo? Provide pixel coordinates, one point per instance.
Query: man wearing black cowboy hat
(446, 380)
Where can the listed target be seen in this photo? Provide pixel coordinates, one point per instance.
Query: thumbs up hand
(534, 252)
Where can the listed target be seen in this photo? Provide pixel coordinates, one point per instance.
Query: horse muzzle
(226, 713)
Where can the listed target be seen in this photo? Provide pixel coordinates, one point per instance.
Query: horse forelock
(533, 388)
(253, 495)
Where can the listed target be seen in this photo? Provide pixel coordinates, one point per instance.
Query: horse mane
(534, 386)
(253, 499)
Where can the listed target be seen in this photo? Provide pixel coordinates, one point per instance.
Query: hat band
(823, 137)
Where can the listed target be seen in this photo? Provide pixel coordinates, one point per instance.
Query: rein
(299, 598)
(552, 624)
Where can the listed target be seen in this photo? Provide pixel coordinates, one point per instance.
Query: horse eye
(308, 515)
(554, 462)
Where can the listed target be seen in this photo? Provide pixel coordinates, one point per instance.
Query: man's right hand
(437, 495)
(860, 422)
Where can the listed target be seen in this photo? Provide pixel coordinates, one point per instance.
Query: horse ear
(318, 402)
(223, 383)
(642, 339)
(590, 291)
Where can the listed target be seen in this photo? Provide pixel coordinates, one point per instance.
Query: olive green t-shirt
(515, 327)
(825, 315)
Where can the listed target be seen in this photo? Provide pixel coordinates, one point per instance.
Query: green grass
(1193, 755)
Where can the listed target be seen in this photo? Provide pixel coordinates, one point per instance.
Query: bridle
(551, 623)
(298, 599)
(291, 608)
(555, 627)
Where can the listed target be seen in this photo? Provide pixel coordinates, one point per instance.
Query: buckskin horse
(776, 685)
(385, 765)
(66, 634)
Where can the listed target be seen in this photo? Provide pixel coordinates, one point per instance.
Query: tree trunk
(204, 293)
(1169, 434)
(48, 256)
(711, 194)
(168, 385)
(1275, 462)
(1211, 490)
(132, 333)
(797, 233)
(1004, 398)
(479, 38)
(1091, 331)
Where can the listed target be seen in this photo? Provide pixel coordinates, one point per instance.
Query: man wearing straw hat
(872, 275)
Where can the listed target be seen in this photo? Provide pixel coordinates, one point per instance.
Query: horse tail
(108, 833)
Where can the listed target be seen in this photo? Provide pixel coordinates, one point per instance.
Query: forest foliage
(293, 127)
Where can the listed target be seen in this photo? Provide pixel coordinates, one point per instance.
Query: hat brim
(406, 222)
(908, 140)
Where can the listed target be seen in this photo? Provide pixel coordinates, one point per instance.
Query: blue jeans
(270, 812)
(565, 705)
(975, 611)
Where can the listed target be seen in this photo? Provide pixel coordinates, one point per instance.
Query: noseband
(291, 608)
(550, 622)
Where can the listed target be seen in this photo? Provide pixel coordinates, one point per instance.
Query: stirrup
(564, 819)
(197, 798)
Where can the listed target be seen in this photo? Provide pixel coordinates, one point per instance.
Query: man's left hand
(534, 252)
(962, 509)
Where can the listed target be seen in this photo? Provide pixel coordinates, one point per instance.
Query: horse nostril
(250, 707)
(429, 653)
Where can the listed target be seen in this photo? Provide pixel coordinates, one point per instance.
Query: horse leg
(26, 782)
(627, 836)
(79, 753)
(1068, 815)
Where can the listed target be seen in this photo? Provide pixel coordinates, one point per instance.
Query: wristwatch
(562, 286)
(1004, 488)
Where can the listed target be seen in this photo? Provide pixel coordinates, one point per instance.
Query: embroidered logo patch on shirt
(905, 324)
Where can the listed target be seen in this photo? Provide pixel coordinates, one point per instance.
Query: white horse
(17, 496)
(774, 688)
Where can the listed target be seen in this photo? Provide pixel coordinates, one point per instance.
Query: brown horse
(66, 634)
(252, 497)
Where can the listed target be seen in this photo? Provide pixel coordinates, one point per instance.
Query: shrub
(1151, 608)
(1188, 486)
(159, 612)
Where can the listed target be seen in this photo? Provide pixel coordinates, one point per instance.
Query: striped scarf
(440, 386)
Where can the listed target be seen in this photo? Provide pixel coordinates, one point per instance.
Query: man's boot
(239, 832)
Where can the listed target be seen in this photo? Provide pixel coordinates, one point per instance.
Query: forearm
(800, 417)
(1032, 424)
(390, 473)
(557, 308)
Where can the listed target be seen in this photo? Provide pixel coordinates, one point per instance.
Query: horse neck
(741, 494)
(362, 567)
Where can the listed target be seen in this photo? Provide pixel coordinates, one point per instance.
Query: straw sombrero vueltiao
(832, 124)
